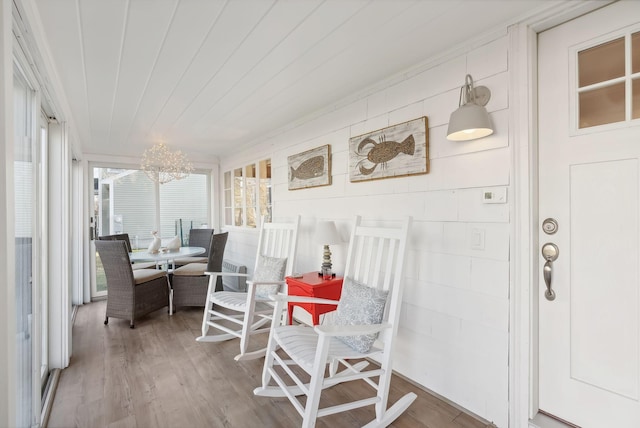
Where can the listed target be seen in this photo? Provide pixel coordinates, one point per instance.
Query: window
(608, 85)
(247, 194)
(30, 253)
(125, 202)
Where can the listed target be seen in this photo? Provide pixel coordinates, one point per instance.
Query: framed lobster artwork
(397, 151)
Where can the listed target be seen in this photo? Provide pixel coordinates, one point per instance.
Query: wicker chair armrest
(226, 274)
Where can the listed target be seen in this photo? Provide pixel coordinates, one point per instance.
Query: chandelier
(163, 165)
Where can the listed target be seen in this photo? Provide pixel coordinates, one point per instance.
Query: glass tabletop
(144, 256)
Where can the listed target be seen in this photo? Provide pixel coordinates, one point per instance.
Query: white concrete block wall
(453, 336)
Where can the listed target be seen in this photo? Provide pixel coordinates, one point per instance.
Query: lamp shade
(326, 233)
(469, 122)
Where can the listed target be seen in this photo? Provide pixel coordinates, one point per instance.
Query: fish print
(383, 152)
(310, 168)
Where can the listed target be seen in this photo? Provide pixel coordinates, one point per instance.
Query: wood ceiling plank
(219, 74)
(189, 29)
(355, 30)
(237, 21)
(246, 63)
(63, 30)
(145, 34)
(102, 25)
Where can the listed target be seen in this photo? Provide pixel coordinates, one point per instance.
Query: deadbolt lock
(550, 226)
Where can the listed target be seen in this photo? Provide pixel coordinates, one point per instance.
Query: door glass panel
(124, 203)
(635, 52)
(601, 63)
(183, 206)
(600, 106)
(635, 110)
(43, 294)
(24, 185)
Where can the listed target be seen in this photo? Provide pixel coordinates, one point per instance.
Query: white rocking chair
(375, 258)
(248, 313)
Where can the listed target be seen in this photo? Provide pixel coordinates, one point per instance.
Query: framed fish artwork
(397, 151)
(310, 169)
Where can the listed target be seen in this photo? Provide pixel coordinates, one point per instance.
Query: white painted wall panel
(453, 336)
(472, 208)
(488, 59)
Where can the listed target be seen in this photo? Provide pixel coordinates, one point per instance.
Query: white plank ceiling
(213, 76)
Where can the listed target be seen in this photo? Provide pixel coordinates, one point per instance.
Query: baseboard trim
(542, 420)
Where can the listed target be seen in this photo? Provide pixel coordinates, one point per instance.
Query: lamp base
(326, 259)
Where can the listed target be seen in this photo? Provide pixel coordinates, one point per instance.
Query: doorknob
(550, 253)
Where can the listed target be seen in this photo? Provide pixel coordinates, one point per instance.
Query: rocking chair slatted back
(247, 314)
(375, 259)
(279, 240)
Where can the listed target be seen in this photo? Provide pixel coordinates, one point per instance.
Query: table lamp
(326, 234)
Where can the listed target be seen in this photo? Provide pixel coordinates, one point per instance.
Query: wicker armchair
(197, 238)
(131, 293)
(125, 237)
(190, 283)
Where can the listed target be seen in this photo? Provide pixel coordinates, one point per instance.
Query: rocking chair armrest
(226, 274)
(302, 299)
(350, 330)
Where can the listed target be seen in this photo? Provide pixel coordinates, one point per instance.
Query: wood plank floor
(157, 375)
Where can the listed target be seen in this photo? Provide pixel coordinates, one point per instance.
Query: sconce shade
(471, 120)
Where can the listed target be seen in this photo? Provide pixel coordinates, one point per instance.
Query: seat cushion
(269, 269)
(143, 265)
(186, 260)
(191, 269)
(360, 305)
(146, 275)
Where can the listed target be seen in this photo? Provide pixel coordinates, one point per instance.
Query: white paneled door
(589, 183)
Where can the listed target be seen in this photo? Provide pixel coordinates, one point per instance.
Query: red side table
(312, 285)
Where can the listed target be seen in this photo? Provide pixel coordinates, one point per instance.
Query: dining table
(166, 257)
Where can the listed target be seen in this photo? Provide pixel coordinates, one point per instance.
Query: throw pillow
(269, 269)
(360, 305)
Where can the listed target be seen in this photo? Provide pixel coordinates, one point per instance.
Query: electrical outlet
(477, 239)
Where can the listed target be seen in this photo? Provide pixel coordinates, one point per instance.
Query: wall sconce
(471, 120)
(326, 234)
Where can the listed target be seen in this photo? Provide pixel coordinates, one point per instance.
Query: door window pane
(24, 195)
(635, 111)
(606, 80)
(635, 54)
(43, 294)
(183, 206)
(125, 202)
(601, 63)
(601, 106)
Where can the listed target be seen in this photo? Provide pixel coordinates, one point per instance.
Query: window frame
(235, 197)
(628, 78)
(92, 164)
